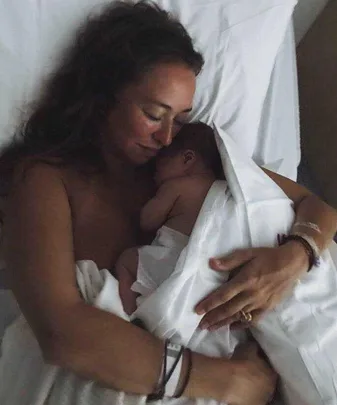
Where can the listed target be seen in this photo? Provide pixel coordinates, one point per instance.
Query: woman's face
(149, 113)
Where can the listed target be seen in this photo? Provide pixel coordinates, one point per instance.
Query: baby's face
(168, 168)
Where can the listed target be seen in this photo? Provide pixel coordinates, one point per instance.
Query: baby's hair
(200, 138)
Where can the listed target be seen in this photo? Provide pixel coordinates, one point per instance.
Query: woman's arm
(267, 274)
(40, 258)
(85, 340)
(309, 209)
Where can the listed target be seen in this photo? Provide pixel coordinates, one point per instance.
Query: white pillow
(238, 38)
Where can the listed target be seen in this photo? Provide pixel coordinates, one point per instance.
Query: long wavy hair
(110, 51)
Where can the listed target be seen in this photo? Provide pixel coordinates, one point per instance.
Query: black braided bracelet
(313, 258)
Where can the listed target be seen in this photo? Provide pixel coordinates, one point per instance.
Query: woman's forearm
(102, 347)
(312, 210)
(309, 209)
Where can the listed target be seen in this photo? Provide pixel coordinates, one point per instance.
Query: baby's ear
(189, 156)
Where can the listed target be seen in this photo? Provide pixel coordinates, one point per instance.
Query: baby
(185, 171)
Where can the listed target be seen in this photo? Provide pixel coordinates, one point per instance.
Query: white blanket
(157, 261)
(298, 336)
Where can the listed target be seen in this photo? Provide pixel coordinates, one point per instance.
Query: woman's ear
(189, 157)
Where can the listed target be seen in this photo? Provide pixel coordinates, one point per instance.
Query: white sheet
(165, 249)
(279, 132)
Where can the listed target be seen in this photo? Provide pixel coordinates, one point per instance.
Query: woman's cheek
(146, 128)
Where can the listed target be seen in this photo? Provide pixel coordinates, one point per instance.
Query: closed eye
(151, 117)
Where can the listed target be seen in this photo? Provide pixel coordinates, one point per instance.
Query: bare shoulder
(193, 184)
(33, 182)
(30, 172)
(189, 187)
(171, 186)
(36, 204)
(178, 183)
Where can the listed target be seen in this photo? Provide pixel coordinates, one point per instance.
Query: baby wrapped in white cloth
(185, 171)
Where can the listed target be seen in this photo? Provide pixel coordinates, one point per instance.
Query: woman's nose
(164, 135)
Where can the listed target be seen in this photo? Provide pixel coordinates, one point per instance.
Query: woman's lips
(150, 151)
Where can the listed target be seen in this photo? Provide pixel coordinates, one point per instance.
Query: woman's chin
(141, 159)
(138, 161)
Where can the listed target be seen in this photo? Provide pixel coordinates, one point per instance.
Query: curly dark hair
(201, 139)
(110, 51)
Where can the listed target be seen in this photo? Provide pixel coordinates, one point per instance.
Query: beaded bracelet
(310, 248)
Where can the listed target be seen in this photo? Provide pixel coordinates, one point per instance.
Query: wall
(317, 67)
(305, 14)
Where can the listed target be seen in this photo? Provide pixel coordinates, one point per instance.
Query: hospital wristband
(174, 365)
(159, 392)
(187, 375)
(170, 372)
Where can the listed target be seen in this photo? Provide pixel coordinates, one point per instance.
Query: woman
(78, 177)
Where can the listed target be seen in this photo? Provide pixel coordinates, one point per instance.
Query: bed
(276, 143)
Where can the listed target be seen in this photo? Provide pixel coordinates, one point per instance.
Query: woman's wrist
(298, 254)
(210, 378)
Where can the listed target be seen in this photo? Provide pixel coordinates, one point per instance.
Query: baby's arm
(156, 211)
(126, 273)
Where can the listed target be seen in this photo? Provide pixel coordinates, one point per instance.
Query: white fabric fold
(157, 261)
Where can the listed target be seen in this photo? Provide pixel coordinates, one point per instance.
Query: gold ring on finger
(246, 316)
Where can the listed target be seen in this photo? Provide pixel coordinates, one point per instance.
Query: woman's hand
(264, 276)
(253, 382)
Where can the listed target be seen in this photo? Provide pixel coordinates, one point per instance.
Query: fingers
(235, 321)
(225, 314)
(233, 287)
(232, 261)
(219, 297)
(218, 325)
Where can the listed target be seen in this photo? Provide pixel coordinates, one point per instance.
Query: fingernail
(217, 262)
(200, 311)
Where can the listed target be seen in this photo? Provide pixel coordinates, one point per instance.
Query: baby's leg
(126, 273)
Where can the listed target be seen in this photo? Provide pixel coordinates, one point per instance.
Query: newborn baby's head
(193, 151)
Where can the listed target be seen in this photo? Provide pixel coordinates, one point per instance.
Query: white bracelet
(311, 242)
(309, 225)
(174, 364)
